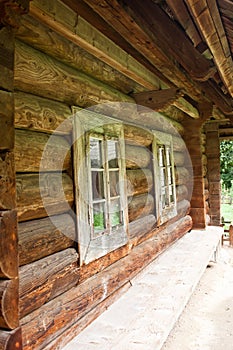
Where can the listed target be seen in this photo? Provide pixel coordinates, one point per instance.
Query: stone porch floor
(143, 317)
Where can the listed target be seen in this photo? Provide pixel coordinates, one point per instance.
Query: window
(101, 195)
(164, 177)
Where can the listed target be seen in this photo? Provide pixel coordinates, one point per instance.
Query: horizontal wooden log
(139, 206)
(181, 193)
(44, 325)
(36, 34)
(36, 152)
(9, 297)
(41, 114)
(182, 176)
(56, 190)
(179, 158)
(43, 237)
(11, 340)
(7, 181)
(137, 157)
(136, 135)
(139, 181)
(141, 226)
(8, 244)
(7, 58)
(47, 278)
(6, 120)
(39, 74)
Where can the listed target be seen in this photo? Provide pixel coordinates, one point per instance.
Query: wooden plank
(139, 206)
(45, 279)
(11, 340)
(9, 295)
(58, 197)
(38, 74)
(139, 181)
(137, 157)
(36, 152)
(43, 237)
(8, 244)
(157, 99)
(41, 114)
(6, 120)
(7, 181)
(44, 325)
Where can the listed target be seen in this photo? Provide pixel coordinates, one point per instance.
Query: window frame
(163, 214)
(87, 124)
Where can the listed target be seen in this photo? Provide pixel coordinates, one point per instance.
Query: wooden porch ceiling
(188, 44)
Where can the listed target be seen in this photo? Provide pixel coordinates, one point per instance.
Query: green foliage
(226, 163)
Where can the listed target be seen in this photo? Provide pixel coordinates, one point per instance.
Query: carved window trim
(164, 177)
(88, 125)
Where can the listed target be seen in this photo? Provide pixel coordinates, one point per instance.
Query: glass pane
(99, 217)
(112, 154)
(97, 185)
(115, 213)
(96, 152)
(114, 183)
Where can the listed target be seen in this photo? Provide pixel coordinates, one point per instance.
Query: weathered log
(43, 237)
(181, 193)
(136, 135)
(41, 37)
(6, 120)
(44, 325)
(141, 226)
(139, 181)
(36, 152)
(39, 74)
(41, 114)
(182, 176)
(47, 278)
(137, 157)
(8, 244)
(9, 297)
(179, 158)
(7, 181)
(7, 58)
(139, 206)
(52, 195)
(11, 340)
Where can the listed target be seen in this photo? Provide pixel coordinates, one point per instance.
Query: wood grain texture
(57, 197)
(7, 181)
(38, 74)
(139, 206)
(9, 297)
(6, 120)
(47, 278)
(43, 237)
(8, 244)
(139, 181)
(35, 152)
(137, 157)
(44, 325)
(41, 114)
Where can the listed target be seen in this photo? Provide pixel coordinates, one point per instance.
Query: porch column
(213, 171)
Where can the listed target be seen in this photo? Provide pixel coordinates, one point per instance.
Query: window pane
(99, 217)
(96, 153)
(115, 213)
(114, 183)
(97, 185)
(112, 154)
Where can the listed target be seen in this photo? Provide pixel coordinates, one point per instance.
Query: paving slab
(143, 317)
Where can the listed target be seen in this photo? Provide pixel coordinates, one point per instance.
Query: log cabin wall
(57, 298)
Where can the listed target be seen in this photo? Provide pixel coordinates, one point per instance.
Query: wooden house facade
(111, 114)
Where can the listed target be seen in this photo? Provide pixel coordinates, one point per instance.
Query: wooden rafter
(208, 19)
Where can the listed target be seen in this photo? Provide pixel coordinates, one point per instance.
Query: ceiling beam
(208, 20)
